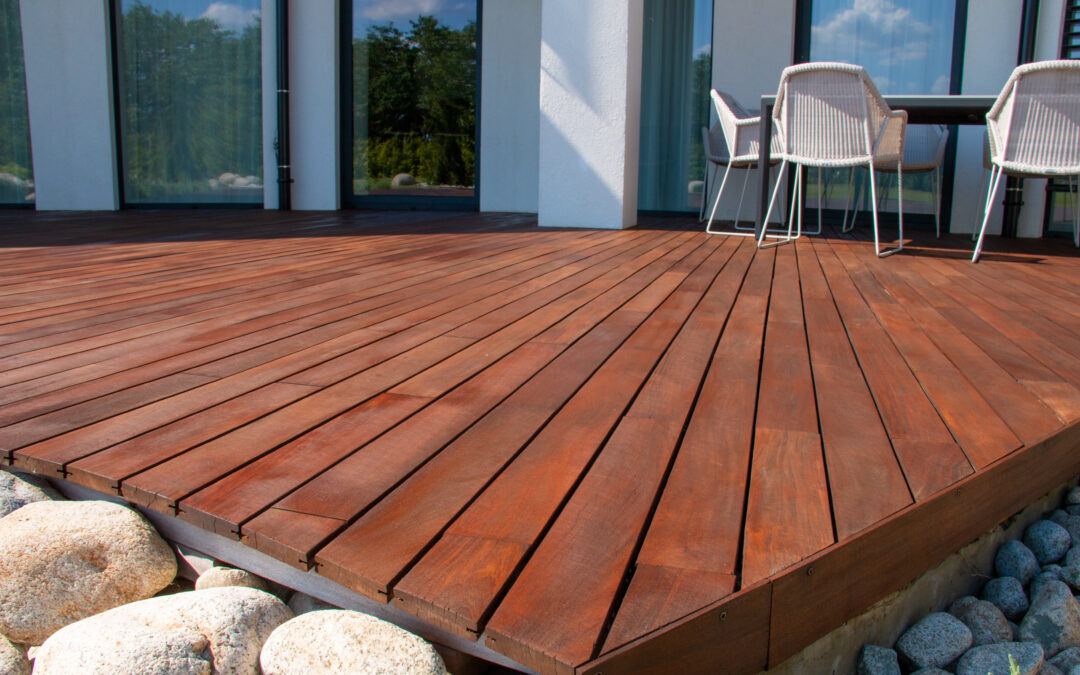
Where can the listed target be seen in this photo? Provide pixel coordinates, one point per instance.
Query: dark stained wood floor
(588, 447)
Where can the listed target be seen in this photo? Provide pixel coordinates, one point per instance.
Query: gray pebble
(1072, 557)
(1073, 510)
(1066, 659)
(962, 605)
(1072, 497)
(1047, 540)
(936, 640)
(1040, 579)
(1014, 559)
(994, 659)
(875, 660)
(1071, 523)
(1048, 669)
(931, 671)
(1071, 576)
(1053, 619)
(988, 625)
(1008, 594)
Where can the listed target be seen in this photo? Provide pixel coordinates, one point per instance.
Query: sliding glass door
(189, 100)
(16, 172)
(676, 69)
(410, 74)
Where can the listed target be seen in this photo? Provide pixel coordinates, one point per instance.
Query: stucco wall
(509, 106)
(313, 109)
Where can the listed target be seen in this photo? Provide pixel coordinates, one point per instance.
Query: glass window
(190, 101)
(676, 70)
(16, 172)
(412, 101)
(906, 47)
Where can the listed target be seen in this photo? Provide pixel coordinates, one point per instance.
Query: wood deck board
(504, 429)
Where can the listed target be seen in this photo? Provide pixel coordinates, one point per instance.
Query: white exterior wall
(993, 34)
(313, 105)
(509, 106)
(1047, 47)
(68, 75)
(590, 107)
(752, 44)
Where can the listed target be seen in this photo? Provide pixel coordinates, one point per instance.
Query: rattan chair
(830, 115)
(1034, 131)
(924, 150)
(741, 138)
(716, 156)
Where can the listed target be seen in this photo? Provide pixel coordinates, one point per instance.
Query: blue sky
(454, 13)
(229, 14)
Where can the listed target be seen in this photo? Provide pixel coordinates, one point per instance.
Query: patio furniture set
(832, 116)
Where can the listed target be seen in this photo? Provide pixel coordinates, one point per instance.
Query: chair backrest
(1034, 125)
(713, 144)
(924, 146)
(729, 112)
(830, 114)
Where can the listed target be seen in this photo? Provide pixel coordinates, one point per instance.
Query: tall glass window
(676, 69)
(906, 47)
(411, 117)
(190, 101)
(16, 172)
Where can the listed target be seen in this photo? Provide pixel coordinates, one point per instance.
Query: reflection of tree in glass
(414, 104)
(192, 106)
(16, 180)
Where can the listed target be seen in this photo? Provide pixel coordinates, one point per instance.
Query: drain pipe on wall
(284, 178)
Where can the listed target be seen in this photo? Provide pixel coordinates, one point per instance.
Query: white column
(509, 106)
(68, 86)
(313, 110)
(268, 43)
(590, 108)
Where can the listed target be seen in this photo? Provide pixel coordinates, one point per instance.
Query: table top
(931, 108)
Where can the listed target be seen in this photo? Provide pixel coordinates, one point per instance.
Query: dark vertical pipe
(284, 178)
(1014, 187)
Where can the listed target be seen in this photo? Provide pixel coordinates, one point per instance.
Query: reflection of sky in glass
(453, 13)
(702, 26)
(233, 15)
(905, 45)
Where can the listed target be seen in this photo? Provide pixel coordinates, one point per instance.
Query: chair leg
(709, 167)
(1076, 210)
(877, 236)
(772, 202)
(742, 194)
(935, 195)
(716, 202)
(850, 203)
(995, 180)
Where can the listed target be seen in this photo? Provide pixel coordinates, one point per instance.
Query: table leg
(764, 141)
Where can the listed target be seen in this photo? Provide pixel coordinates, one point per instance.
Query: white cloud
(390, 10)
(941, 85)
(229, 16)
(879, 16)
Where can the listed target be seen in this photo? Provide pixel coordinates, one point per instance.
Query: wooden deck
(595, 450)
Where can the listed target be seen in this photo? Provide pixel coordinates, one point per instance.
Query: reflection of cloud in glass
(904, 46)
(229, 16)
(880, 17)
(383, 10)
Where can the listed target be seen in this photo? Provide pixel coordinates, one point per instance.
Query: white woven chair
(831, 115)
(923, 152)
(1034, 130)
(741, 137)
(716, 156)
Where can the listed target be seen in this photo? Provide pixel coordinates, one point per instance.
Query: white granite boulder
(217, 630)
(343, 641)
(64, 561)
(220, 577)
(13, 659)
(1053, 620)
(19, 489)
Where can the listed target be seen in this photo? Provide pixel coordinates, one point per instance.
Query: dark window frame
(350, 200)
(1070, 28)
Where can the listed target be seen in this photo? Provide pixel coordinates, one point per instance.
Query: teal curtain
(675, 73)
(16, 171)
(191, 101)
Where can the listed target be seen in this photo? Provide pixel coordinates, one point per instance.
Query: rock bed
(90, 587)
(1025, 620)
